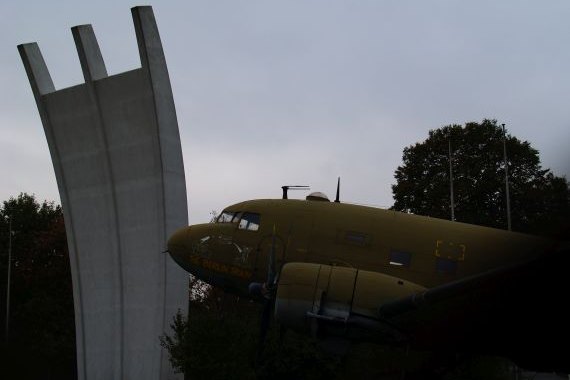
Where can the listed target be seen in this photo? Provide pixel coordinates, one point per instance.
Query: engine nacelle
(334, 300)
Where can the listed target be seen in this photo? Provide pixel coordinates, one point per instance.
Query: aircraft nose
(178, 242)
(187, 244)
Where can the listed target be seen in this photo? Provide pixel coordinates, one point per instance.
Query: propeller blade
(271, 265)
(267, 290)
(264, 325)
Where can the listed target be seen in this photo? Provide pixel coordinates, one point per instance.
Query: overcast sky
(270, 93)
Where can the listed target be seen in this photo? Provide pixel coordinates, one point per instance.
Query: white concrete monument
(115, 147)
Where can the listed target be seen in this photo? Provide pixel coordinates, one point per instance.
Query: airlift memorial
(405, 279)
(115, 148)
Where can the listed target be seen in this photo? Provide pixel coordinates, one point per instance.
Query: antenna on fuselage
(337, 199)
(293, 187)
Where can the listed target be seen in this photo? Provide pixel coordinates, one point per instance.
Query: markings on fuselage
(450, 250)
(220, 267)
(242, 255)
(201, 248)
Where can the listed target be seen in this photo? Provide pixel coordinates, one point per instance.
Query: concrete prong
(148, 38)
(36, 68)
(92, 62)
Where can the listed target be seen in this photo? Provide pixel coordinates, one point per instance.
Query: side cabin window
(249, 221)
(360, 239)
(400, 259)
(357, 238)
(445, 266)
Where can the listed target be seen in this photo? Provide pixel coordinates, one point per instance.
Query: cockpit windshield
(228, 217)
(246, 220)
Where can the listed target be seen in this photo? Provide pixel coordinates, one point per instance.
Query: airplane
(335, 269)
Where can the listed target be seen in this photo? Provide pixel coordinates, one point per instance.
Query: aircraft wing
(520, 312)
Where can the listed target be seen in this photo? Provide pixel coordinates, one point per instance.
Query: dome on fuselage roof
(318, 196)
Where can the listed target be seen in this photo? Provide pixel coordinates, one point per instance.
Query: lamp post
(506, 178)
(451, 183)
(9, 273)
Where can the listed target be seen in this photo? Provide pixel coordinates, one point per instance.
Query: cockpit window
(249, 221)
(237, 216)
(226, 217)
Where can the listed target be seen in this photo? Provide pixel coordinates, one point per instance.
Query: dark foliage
(41, 341)
(539, 199)
(219, 340)
(220, 337)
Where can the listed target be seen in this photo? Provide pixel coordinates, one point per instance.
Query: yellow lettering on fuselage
(220, 267)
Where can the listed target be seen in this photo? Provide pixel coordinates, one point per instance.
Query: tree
(220, 337)
(539, 199)
(42, 330)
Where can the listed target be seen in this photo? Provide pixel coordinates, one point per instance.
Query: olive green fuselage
(425, 251)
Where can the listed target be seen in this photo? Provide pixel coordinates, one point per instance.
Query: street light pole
(9, 273)
(506, 178)
(451, 184)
